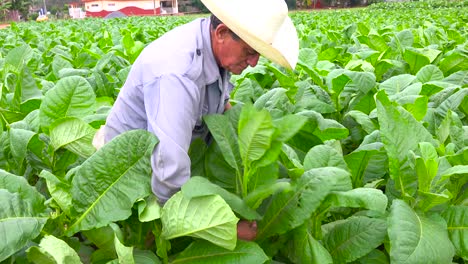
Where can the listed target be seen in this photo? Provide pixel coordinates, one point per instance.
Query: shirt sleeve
(171, 104)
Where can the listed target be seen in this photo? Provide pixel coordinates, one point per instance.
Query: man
(184, 75)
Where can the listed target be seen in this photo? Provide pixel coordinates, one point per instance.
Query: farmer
(184, 75)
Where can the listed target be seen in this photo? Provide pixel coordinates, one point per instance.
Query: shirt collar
(210, 67)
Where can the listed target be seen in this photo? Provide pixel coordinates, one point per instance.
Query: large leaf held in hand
(206, 217)
(417, 239)
(20, 221)
(202, 252)
(106, 185)
(199, 186)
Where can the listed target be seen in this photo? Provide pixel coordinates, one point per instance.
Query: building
(75, 10)
(101, 8)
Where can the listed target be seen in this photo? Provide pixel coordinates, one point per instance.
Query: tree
(19, 7)
(5, 6)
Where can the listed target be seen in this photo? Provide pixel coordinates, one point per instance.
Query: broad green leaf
(429, 73)
(255, 198)
(362, 82)
(457, 225)
(20, 221)
(149, 209)
(454, 62)
(18, 185)
(59, 190)
(71, 97)
(17, 57)
(451, 103)
(374, 257)
(363, 120)
(337, 80)
(285, 79)
(60, 63)
(73, 134)
(324, 156)
(400, 134)
(304, 248)
(429, 200)
(377, 43)
(247, 91)
(455, 170)
(404, 38)
(314, 75)
(397, 84)
(124, 253)
(459, 78)
(291, 161)
(218, 170)
(415, 104)
(368, 198)
(207, 217)
(276, 101)
(326, 128)
(104, 189)
(386, 66)
(55, 250)
(199, 186)
(329, 54)
(288, 126)
(226, 137)
(19, 140)
(202, 252)
(308, 57)
(417, 58)
(28, 87)
(255, 133)
(67, 72)
(145, 257)
(36, 255)
(354, 238)
(291, 207)
(362, 28)
(103, 238)
(415, 238)
(427, 167)
(367, 162)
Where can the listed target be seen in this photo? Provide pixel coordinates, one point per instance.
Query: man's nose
(253, 60)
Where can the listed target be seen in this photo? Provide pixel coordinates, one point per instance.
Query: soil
(4, 26)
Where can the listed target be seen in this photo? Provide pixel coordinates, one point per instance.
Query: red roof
(129, 11)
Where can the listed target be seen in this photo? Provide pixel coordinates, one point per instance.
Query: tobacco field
(358, 155)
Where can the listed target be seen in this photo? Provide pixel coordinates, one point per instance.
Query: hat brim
(284, 50)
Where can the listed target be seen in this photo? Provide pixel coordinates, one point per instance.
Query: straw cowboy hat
(263, 24)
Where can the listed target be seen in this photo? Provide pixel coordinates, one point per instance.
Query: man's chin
(237, 70)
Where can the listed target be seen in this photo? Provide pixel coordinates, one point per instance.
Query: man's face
(234, 55)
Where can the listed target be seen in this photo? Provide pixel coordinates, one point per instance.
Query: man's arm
(171, 104)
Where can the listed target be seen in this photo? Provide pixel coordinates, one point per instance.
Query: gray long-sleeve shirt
(173, 83)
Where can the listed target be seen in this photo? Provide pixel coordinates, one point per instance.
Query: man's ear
(221, 33)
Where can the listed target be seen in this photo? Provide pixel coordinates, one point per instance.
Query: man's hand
(246, 230)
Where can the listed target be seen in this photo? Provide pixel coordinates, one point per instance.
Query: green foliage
(358, 155)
